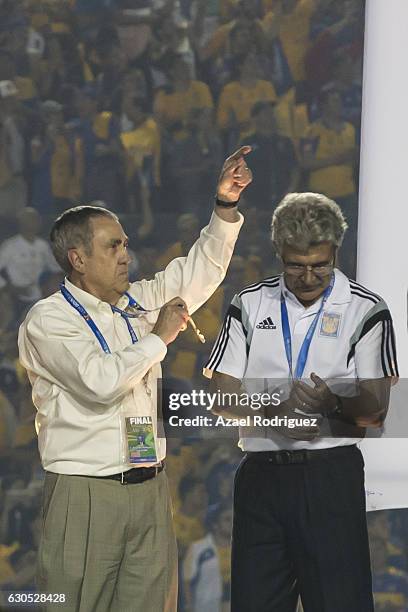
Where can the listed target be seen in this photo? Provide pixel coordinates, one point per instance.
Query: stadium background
(133, 105)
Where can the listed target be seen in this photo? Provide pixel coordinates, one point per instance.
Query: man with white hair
(299, 503)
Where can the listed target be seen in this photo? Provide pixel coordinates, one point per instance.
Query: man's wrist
(224, 203)
(336, 412)
(271, 410)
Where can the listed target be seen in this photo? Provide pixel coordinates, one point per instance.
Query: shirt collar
(91, 303)
(340, 293)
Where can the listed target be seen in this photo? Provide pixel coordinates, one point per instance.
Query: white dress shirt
(80, 392)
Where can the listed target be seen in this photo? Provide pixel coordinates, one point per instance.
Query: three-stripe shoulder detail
(388, 347)
(363, 292)
(268, 282)
(220, 346)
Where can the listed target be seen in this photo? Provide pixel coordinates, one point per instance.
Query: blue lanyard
(101, 339)
(304, 349)
(132, 304)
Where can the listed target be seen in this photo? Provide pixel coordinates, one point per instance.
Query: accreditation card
(140, 442)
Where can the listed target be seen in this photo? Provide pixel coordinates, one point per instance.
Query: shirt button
(148, 391)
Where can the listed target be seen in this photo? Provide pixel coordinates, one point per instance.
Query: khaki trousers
(108, 547)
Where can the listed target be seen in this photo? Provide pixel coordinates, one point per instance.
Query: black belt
(136, 475)
(289, 457)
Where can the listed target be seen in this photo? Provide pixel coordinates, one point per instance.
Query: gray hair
(305, 219)
(72, 229)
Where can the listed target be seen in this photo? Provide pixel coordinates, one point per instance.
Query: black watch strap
(226, 204)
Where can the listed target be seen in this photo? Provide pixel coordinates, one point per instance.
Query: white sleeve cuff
(153, 347)
(224, 229)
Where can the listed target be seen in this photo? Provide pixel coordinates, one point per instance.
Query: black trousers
(301, 529)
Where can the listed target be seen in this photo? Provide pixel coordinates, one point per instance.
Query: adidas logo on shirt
(266, 324)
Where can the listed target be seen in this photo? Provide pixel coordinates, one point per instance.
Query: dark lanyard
(304, 349)
(100, 337)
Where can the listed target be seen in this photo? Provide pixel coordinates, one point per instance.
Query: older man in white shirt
(93, 353)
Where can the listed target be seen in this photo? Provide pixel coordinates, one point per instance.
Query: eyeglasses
(299, 270)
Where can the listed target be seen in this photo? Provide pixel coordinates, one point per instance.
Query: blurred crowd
(133, 105)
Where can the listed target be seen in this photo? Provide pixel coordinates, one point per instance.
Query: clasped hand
(303, 398)
(313, 400)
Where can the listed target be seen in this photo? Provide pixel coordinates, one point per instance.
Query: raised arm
(195, 277)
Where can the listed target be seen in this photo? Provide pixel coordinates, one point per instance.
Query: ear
(76, 259)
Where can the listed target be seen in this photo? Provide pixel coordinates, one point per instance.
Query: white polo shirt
(354, 339)
(79, 391)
